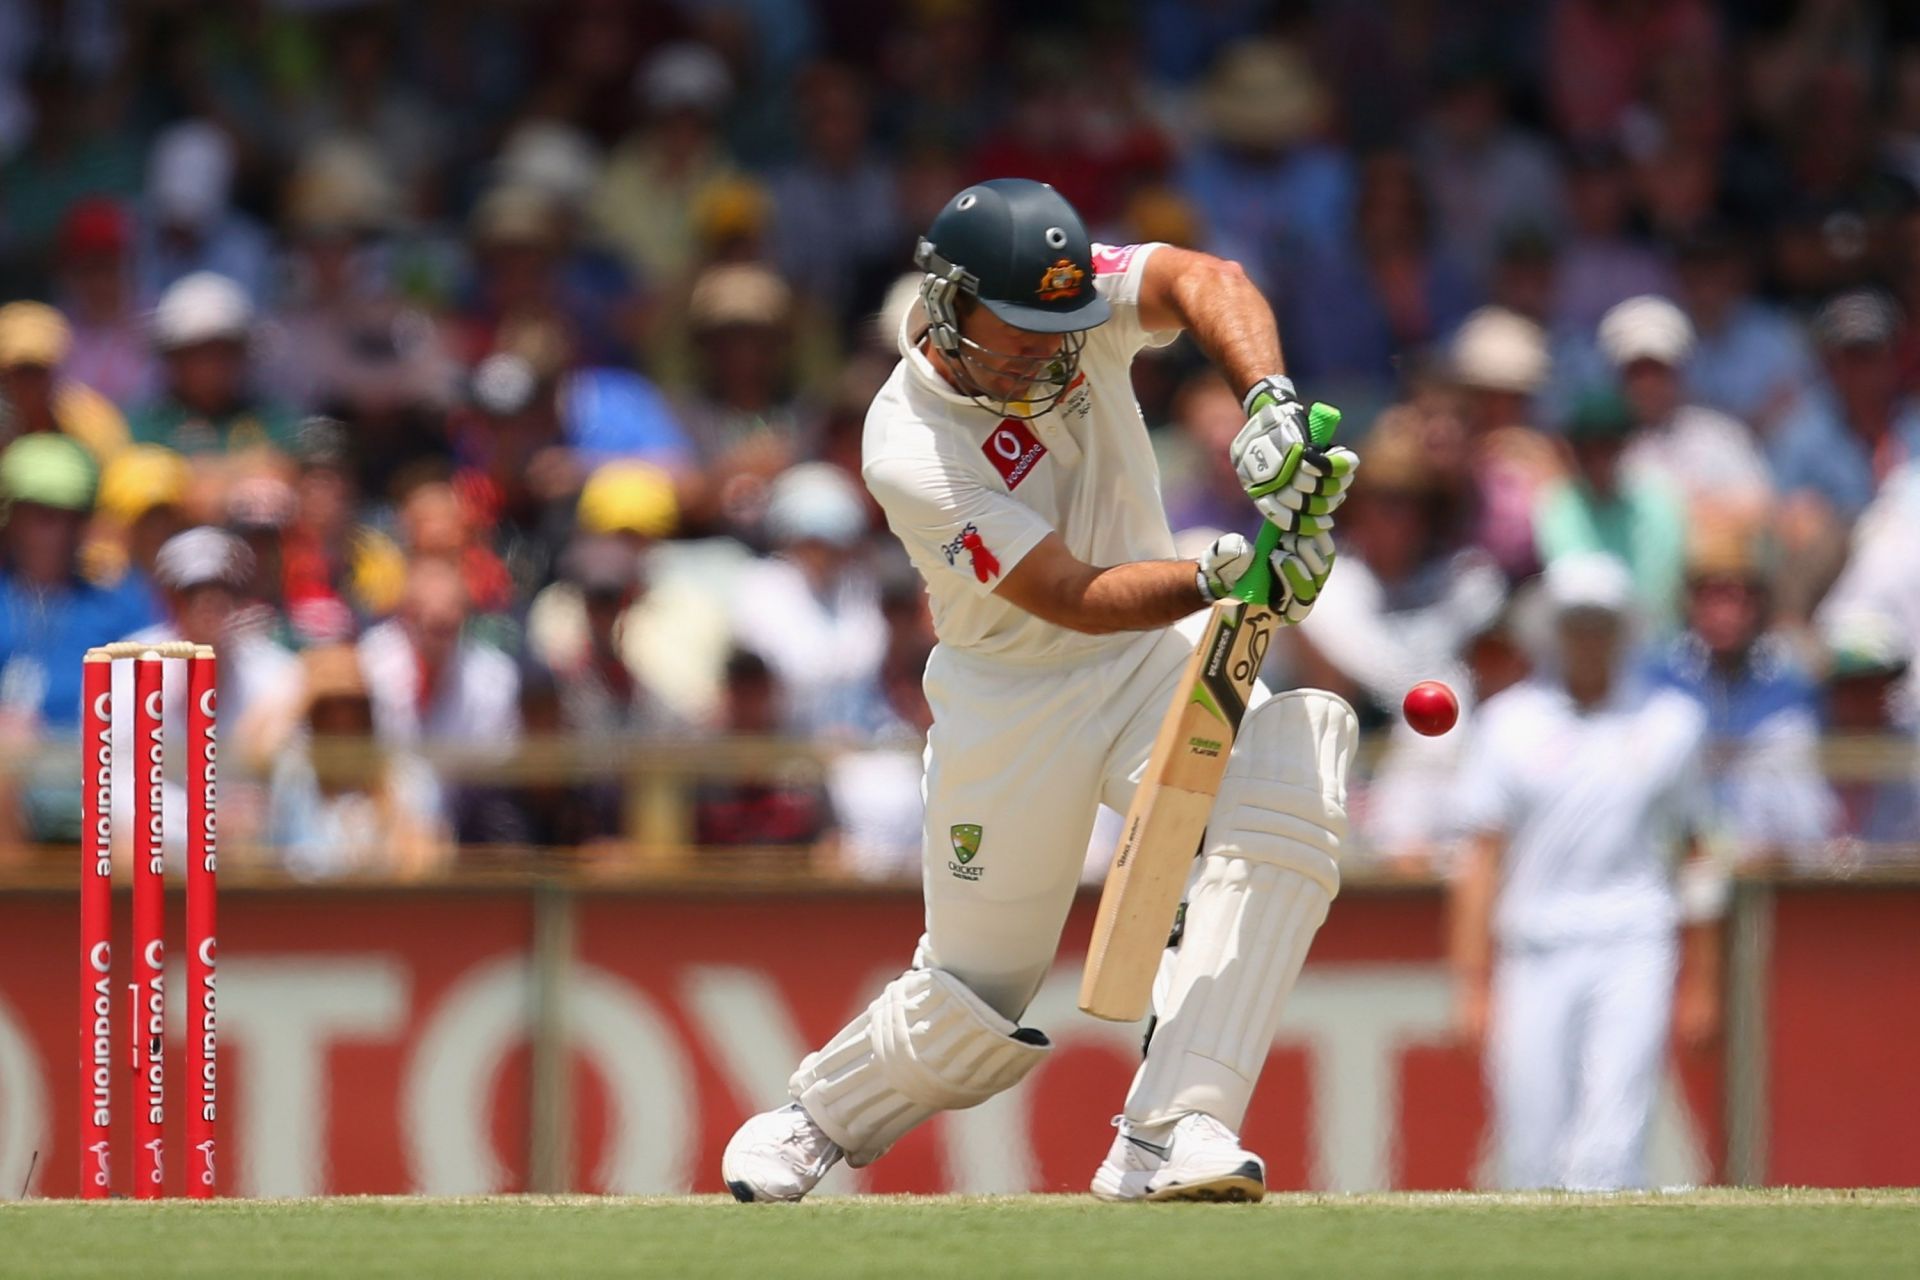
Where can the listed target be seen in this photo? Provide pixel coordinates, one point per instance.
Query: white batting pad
(926, 1044)
(1268, 871)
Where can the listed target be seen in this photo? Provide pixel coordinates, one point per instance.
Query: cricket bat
(1170, 809)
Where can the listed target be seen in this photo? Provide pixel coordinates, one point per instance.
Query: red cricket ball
(1430, 708)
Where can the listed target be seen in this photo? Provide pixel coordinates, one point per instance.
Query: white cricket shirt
(1593, 806)
(969, 493)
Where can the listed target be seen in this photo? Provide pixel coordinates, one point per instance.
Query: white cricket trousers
(1578, 1039)
(1028, 755)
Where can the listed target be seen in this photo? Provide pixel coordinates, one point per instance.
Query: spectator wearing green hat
(50, 615)
(1630, 513)
(1867, 698)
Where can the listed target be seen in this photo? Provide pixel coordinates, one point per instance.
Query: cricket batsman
(1010, 456)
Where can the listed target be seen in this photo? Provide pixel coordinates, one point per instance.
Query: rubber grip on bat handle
(1323, 423)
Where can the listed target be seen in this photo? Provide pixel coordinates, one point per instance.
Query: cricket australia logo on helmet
(1061, 280)
(1016, 249)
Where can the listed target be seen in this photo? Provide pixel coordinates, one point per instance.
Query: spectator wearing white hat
(644, 203)
(1579, 789)
(1713, 458)
(208, 404)
(827, 648)
(1499, 361)
(186, 223)
(202, 574)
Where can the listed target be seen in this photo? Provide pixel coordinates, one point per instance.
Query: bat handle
(1257, 584)
(1323, 423)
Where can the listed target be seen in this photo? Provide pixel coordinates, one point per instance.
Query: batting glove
(1302, 563)
(1294, 482)
(1223, 564)
(1301, 566)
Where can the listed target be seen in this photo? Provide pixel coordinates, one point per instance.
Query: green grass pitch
(1705, 1233)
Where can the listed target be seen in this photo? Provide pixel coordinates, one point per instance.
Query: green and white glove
(1299, 568)
(1283, 461)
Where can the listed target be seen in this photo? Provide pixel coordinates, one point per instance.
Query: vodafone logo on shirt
(1013, 450)
(1113, 259)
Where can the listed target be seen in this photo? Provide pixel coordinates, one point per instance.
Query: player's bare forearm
(1212, 299)
(1470, 935)
(1054, 585)
(1470, 916)
(1700, 951)
(1698, 1003)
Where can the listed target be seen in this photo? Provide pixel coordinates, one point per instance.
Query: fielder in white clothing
(1581, 790)
(1011, 460)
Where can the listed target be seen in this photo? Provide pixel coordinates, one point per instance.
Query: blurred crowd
(473, 373)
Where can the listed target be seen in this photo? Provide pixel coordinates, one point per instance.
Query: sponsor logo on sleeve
(1013, 450)
(1113, 259)
(985, 564)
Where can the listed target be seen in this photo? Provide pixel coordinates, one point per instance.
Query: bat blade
(1169, 813)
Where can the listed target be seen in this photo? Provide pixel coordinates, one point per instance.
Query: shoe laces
(1205, 1127)
(809, 1141)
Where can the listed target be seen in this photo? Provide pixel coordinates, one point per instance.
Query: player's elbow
(1203, 282)
(1207, 274)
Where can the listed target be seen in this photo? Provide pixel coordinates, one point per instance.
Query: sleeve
(1117, 272)
(1877, 581)
(952, 524)
(1560, 524)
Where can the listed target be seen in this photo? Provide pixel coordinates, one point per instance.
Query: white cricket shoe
(1196, 1158)
(777, 1155)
